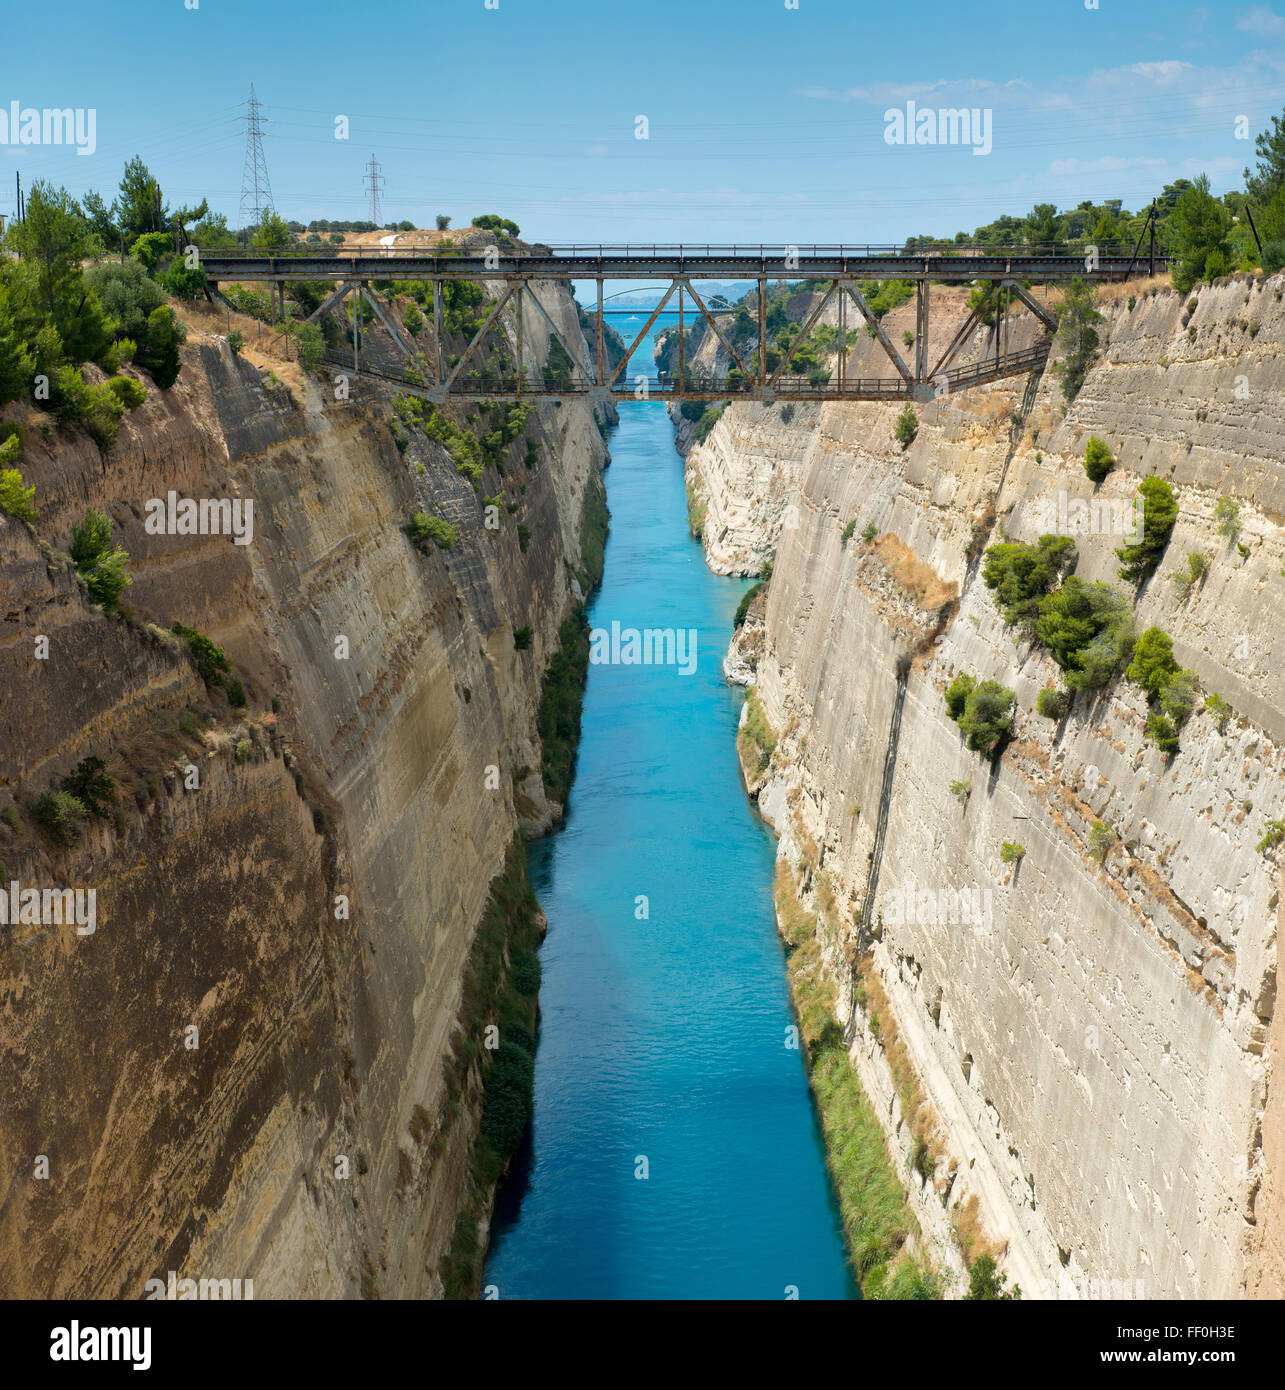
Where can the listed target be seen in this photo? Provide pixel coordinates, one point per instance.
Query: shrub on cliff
(987, 716)
(907, 426)
(1021, 575)
(1160, 512)
(1097, 459)
(158, 355)
(985, 1282)
(127, 391)
(59, 815)
(16, 499)
(1077, 336)
(425, 530)
(1089, 631)
(1153, 662)
(91, 785)
(1053, 703)
(957, 693)
(211, 662)
(747, 598)
(100, 563)
(561, 695)
(510, 1090)
(1161, 729)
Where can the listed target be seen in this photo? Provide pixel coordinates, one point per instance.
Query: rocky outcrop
(308, 902)
(1092, 1030)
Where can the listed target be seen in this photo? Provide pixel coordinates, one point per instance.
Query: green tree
(139, 206)
(159, 355)
(985, 1281)
(1198, 229)
(907, 426)
(987, 716)
(1160, 512)
(272, 234)
(1269, 148)
(1077, 336)
(54, 238)
(100, 562)
(1088, 629)
(1097, 459)
(1021, 575)
(1043, 227)
(1153, 663)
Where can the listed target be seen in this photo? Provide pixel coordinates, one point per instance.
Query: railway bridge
(1006, 275)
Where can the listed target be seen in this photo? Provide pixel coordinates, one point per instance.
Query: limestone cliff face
(384, 761)
(1096, 1046)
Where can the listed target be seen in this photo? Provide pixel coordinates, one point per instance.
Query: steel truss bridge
(1006, 274)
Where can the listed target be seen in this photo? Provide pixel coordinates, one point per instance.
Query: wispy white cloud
(1262, 22)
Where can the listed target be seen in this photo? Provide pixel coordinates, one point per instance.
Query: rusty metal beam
(801, 336)
(395, 333)
(480, 334)
(1037, 309)
(877, 329)
(633, 347)
(438, 331)
(557, 333)
(709, 318)
(967, 327)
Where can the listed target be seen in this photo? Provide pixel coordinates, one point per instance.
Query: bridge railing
(685, 251)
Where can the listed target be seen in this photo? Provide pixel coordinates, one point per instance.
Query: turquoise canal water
(663, 1039)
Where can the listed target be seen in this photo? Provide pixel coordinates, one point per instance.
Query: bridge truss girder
(600, 384)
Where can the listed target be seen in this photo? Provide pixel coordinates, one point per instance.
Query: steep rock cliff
(1093, 1052)
(310, 902)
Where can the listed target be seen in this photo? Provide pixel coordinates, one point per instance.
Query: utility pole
(375, 182)
(1153, 236)
(256, 191)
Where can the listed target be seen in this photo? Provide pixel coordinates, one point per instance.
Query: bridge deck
(699, 262)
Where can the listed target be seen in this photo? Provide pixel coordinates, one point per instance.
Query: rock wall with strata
(387, 756)
(1096, 1049)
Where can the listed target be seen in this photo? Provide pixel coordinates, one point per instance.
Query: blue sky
(766, 123)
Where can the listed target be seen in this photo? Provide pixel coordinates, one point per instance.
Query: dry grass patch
(921, 582)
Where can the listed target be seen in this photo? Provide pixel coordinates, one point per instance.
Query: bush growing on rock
(1012, 853)
(128, 391)
(100, 563)
(1153, 662)
(1053, 703)
(1020, 575)
(59, 815)
(907, 426)
(1097, 459)
(987, 716)
(425, 530)
(1089, 630)
(1162, 731)
(957, 693)
(1160, 512)
(1218, 709)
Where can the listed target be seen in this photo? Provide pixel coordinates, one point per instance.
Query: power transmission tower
(375, 181)
(256, 191)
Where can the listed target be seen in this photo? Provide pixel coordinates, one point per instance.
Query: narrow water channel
(674, 1151)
